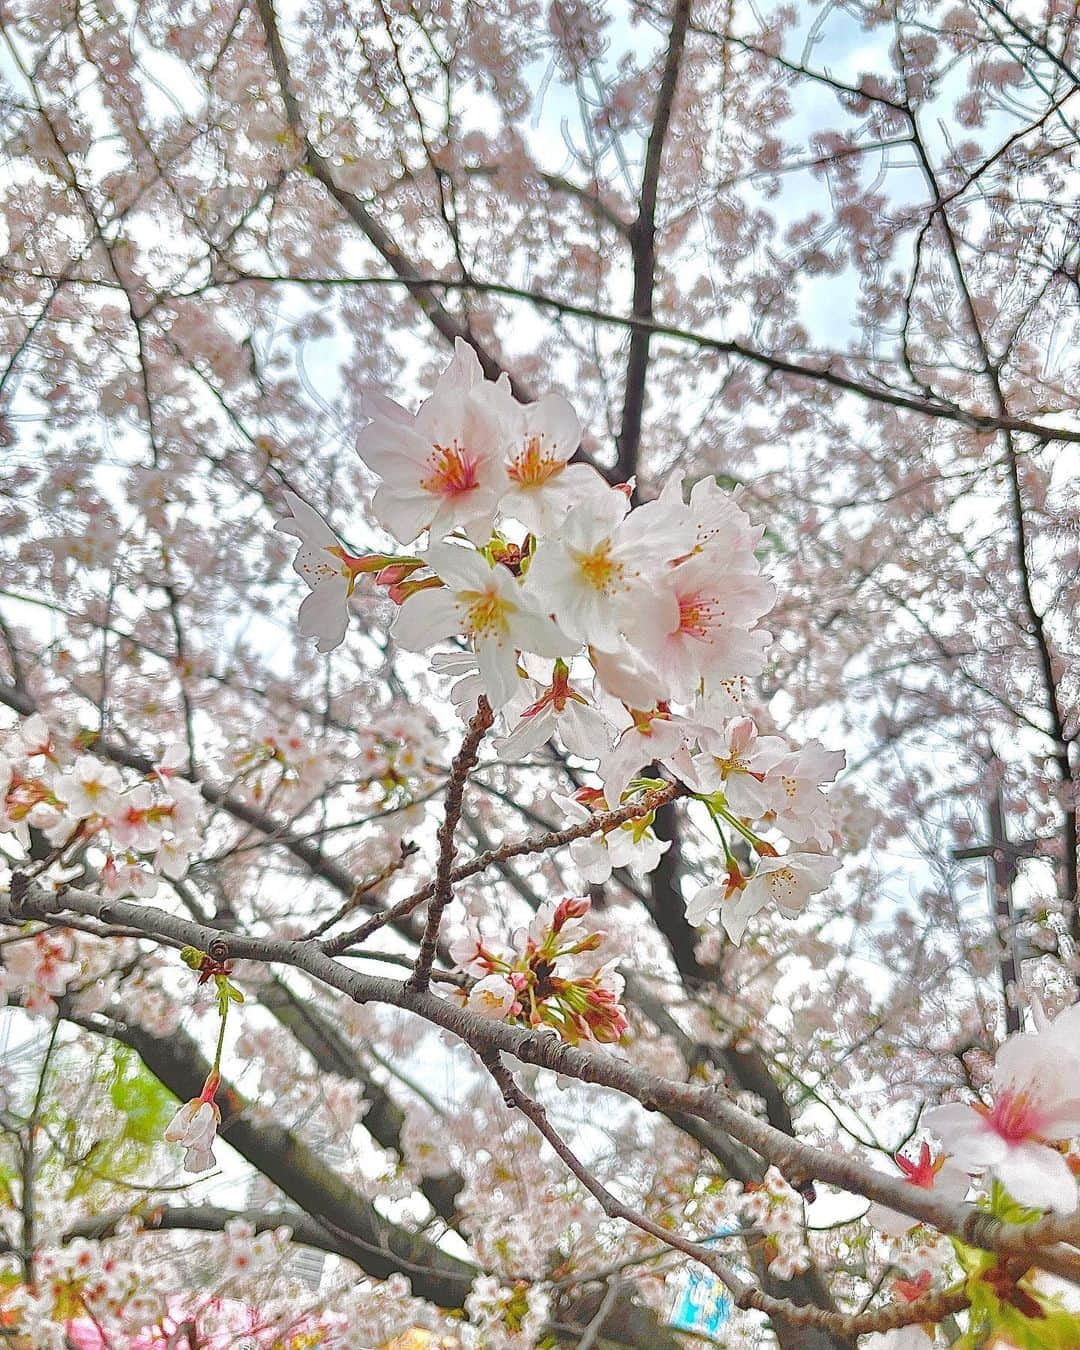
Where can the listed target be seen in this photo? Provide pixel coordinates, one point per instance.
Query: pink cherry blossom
(1036, 1103)
(445, 467)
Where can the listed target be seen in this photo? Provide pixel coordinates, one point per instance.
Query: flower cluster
(627, 633)
(145, 829)
(776, 1208)
(504, 1318)
(92, 1293)
(545, 976)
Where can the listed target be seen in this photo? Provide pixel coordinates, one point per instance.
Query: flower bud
(570, 908)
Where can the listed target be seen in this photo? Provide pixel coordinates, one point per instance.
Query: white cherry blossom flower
(541, 437)
(35, 737)
(714, 516)
(134, 823)
(723, 699)
(787, 881)
(596, 571)
(195, 1127)
(734, 759)
(486, 604)
(172, 859)
(444, 468)
(330, 573)
(802, 810)
(91, 788)
(632, 844)
(700, 621)
(41, 961)
(1036, 1091)
(555, 707)
(653, 735)
(492, 996)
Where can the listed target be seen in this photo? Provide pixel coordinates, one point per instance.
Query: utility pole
(1003, 863)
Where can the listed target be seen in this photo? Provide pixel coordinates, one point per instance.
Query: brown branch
(643, 250)
(405, 852)
(779, 365)
(321, 168)
(443, 889)
(544, 1050)
(746, 1295)
(536, 843)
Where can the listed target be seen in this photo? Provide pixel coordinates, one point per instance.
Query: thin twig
(443, 891)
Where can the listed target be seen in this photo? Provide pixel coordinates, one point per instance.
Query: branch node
(218, 950)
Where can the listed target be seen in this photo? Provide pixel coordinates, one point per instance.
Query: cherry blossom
(632, 844)
(486, 604)
(195, 1128)
(329, 571)
(1035, 1105)
(91, 788)
(746, 308)
(493, 996)
(714, 611)
(543, 485)
(444, 467)
(592, 573)
(738, 761)
(788, 881)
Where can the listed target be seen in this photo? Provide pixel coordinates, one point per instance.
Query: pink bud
(394, 572)
(570, 908)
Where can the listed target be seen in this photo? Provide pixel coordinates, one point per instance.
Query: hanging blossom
(195, 1127)
(1035, 1105)
(546, 976)
(196, 1123)
(627, 634)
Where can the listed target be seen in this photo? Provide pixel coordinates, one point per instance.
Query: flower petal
(424, 618)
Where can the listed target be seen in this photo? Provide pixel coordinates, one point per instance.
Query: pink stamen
(1014, 1116)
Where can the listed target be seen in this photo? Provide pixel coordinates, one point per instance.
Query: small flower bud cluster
(146, 829)
(546, 976)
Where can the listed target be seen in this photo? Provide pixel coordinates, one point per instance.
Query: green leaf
(1008, 1210)
(144, 1103)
